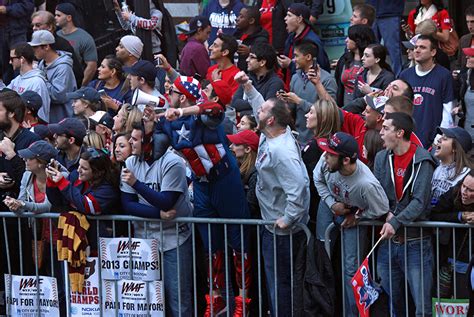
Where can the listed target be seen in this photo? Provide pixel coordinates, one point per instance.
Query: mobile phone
(281, 91)
(53, 163)
(102, 92)
(315, 63)
(159, 110)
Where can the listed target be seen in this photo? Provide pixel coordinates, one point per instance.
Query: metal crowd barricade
(426, 228)
(33, 219)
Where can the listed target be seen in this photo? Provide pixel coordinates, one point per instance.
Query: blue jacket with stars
(201, 139)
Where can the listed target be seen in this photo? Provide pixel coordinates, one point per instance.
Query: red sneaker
(239, 306)
(218, 305)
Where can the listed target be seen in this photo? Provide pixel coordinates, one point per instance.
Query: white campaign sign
(87, 303)
(119, 256)
(133, 298)
(450, 307)
(24, 300)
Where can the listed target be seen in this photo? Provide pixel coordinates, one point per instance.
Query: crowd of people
(255, 122)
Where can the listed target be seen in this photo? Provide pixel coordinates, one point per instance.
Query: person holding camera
(303, 93)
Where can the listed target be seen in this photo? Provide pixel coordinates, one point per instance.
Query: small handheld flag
(364, 291)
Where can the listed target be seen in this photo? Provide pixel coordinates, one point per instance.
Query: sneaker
(239, 306)
(218, 305)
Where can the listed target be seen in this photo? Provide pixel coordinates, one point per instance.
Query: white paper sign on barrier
(116, 261)
(133, 298)
(450, 307)
(24, 300)
(87, 303)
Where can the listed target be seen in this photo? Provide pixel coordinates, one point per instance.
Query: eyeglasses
(253, 56)
(97, 153)
(12, 58)
(172, 91)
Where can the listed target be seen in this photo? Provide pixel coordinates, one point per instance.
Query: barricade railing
(448, 292)
(27, 224)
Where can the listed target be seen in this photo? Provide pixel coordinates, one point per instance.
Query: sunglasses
(172, 91)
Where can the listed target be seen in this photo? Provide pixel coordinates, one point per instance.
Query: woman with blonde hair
(245, 147)
(93, 139)
(323, 119)
(125, 118)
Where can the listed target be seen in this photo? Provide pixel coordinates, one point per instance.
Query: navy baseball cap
(459, 134)
(87, 93)
(142, 68)
(42, 131)
(39, 149)
(300, 9)
(72, 127)
(32, 100)
(340, 144)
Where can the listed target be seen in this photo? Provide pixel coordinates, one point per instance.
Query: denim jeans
(418, 274)
(352, 258)
(324, 218)
(388, 29)
(171, 280)
(354, 244)
(283, 281)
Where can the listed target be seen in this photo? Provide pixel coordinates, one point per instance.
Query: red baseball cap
(468, 51)
(223, 91)
(247, 137)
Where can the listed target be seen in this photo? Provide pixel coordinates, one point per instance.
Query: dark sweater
(449, 209)
(16, 166)
(258, 37)
(267, 86)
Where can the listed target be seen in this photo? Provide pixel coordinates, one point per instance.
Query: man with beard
(13, 138)
(283, 194)
(351, 191)
(129, 50)
(69, 135)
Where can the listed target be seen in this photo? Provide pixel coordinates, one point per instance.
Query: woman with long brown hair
(451, 151)
(324, 120)
(111, 84)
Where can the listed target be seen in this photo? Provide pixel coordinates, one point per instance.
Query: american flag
(189, 86)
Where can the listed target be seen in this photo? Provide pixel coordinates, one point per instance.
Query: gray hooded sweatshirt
(415, 202)
(34, 80)
(61, 80)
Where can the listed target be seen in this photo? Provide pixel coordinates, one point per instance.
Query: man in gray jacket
(283, 194)
(22, 57)
(57, 65)
(351, 191)
(405, 172)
